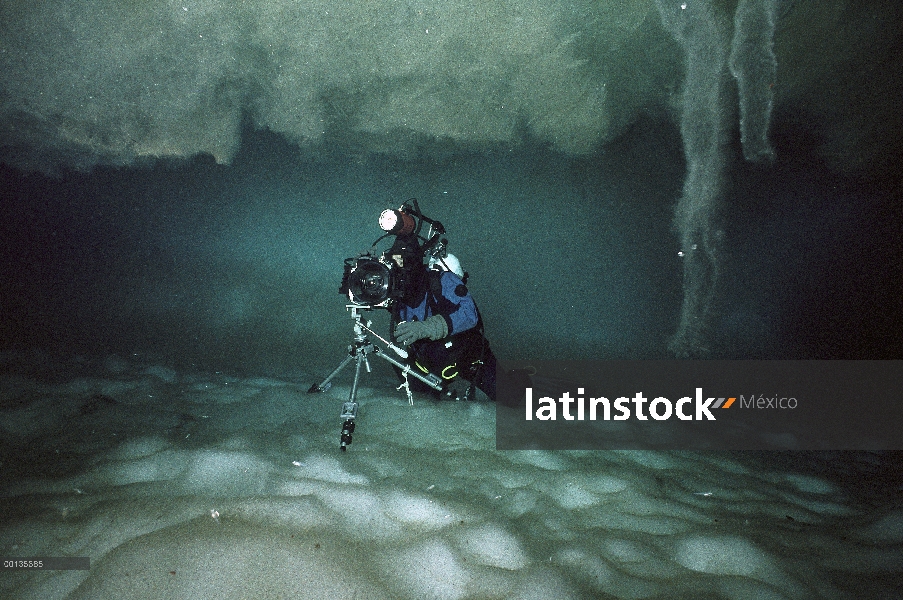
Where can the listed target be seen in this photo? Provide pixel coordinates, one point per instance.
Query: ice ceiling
(110, 81)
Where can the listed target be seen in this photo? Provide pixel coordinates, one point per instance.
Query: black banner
(699, 404)
(45, 563)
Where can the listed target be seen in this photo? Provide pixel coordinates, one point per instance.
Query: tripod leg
(357, 376)
(349, 409)
(325, 384)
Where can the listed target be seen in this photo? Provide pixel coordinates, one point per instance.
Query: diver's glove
(408, 332)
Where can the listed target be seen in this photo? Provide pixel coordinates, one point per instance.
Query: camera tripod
(358, 351)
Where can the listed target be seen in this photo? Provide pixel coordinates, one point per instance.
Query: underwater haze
(180, 183)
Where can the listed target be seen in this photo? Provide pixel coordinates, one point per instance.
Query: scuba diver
(438, 321)
(431, 313)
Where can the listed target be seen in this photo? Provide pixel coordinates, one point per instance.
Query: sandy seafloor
(205, 485)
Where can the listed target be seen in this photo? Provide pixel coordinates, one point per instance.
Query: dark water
(237, 266)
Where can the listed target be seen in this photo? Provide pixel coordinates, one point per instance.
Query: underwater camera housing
(374, 280)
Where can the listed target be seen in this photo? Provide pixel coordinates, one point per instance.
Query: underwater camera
(373, 279)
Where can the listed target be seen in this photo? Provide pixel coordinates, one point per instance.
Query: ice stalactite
(706, 123)
(754, 66)
(705, 128)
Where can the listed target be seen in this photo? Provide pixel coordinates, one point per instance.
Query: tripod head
(360, 327)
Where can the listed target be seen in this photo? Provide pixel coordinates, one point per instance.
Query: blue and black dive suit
(464, 353)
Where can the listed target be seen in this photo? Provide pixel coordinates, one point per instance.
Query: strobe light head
(396, 222)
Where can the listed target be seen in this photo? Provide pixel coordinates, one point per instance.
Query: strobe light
(396, 222)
